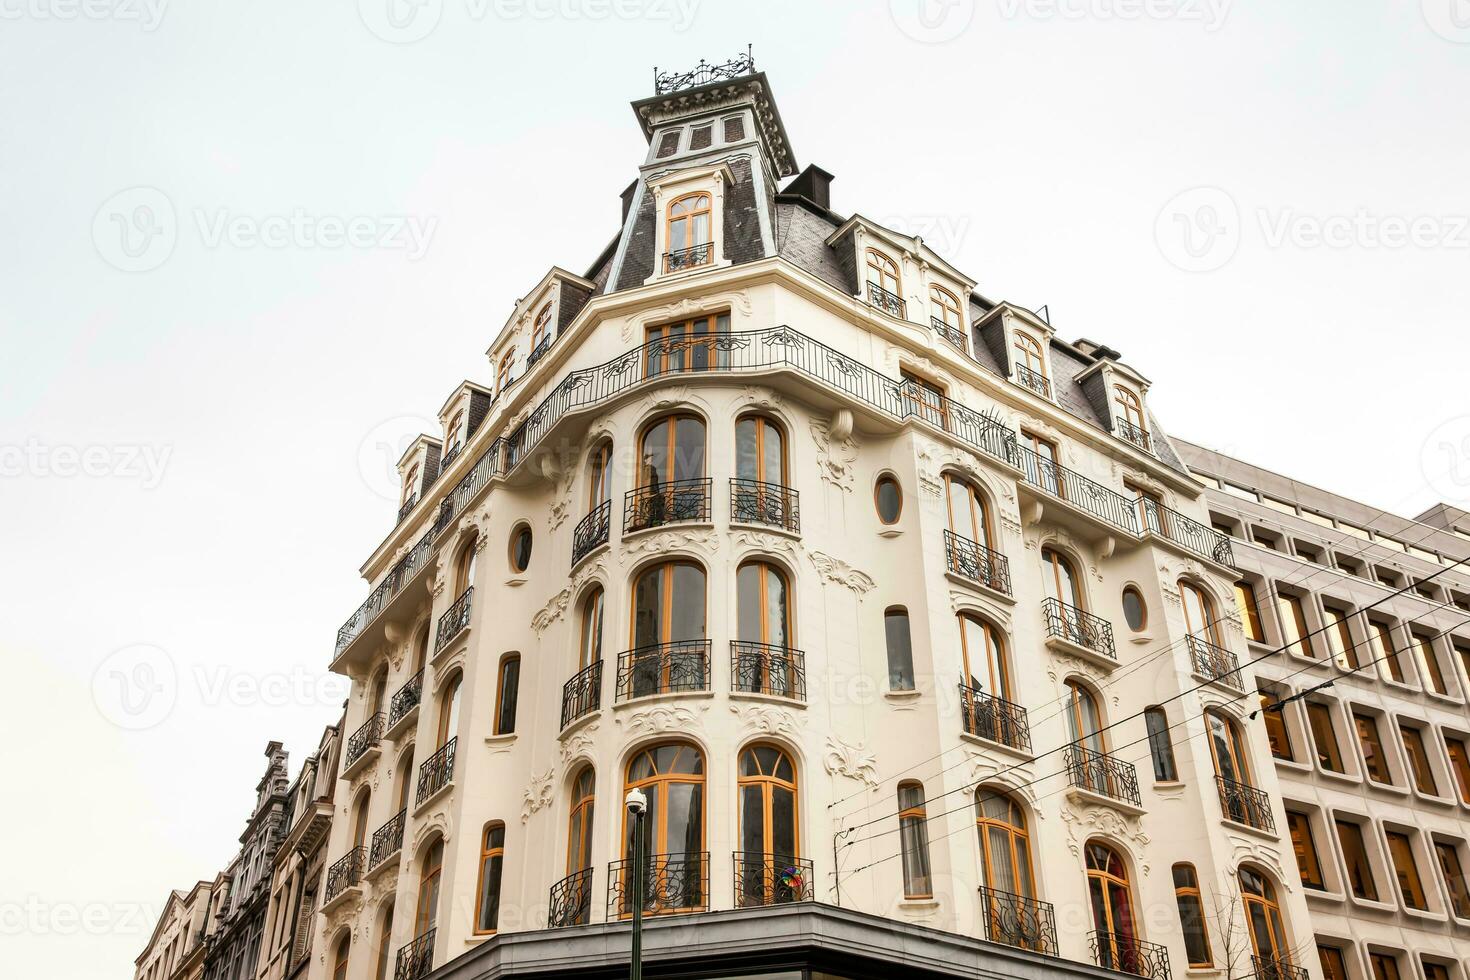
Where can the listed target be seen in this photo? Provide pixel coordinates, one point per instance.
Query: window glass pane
(783, 821)
(1355, 857)
(889, 499)
(1160, 748)
(686, 621)
(1133, 609)
(1324, 737)
(748, 601)
(510, 679)
(752, 820)
(490, 894)
(900, 651)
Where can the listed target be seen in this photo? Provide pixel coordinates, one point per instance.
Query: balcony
(387, 840)
(1078, 628)
(415, 960)
(1113, 951)
(582, 695)
(592, 532)
(1115, 511)
(436, 773)
(384, 604)
(456, 619)
(675, 502)
(1103, 774)
(362, 747)
(1032, 381)
(974, 561)
(1213, 662)
(954, 335)
(449, 456)
(770, 879)
(1130, 433)
(1018, 921)
(663, 668)
(688, 258)
(404, 705)
(538, 351)
(407, 507)
(672, 883)
(570, 901)
(994, 719)
(1277, 968)
(889, 303)
(1187, 533)
(767, 504)
(762, 668)
(345, 874)
(1245, 805)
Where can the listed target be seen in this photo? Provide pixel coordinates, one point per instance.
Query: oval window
(520, 549)
(1134, 611)
(889, 499)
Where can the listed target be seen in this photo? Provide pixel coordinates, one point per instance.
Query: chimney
(814, 184)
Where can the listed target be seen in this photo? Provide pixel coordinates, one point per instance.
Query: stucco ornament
(852, 761)
(839, 572)
(763, 542)
(437, 822)
(538, 794)
(734, 301)
(1094, 820)
(837, 451)
(703, 541)
(557, 605)
(581, 742)
(662, 718)
(761, 719)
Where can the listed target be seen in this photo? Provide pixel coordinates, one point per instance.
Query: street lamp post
(637, 804)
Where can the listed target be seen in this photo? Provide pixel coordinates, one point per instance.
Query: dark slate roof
(801, 239)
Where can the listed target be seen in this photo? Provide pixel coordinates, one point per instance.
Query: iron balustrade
(771, 879)
(415, 960)
(688, 258)
(890, 303)
(1135, 434)
(703, 74)
(1078, 626)
(995, 719)
(677, 882)
(674, 502)
(345, 873)
(1098, 772)
(393, 582)
(1214, 662)
(771, 504)
(570, 901)
(455, 620)
(1245, 805)
(582, 695)
(1126, 954)
(765, 668)
(436, 772)
(663, 668)
(406, 699)
(449, 456)
(365, 737)
(1277, 968)
(538, 351)
(406, 507)
(1033, 381)
(1186, 532)
(972, 560)
(952, 334)
(1018, 921)
(592, 531)
(1056, 480)
(387, 839)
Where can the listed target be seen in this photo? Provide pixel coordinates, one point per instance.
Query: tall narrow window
(384, 952)
(1160, 747)
(339, 960)
(1305, 846)
(1385, 654)
(769, 841)
(944, 310)
(589, 650)
(410, 485)
(689, 233)
(1324, 736)
(1250, 611)
(764, 661)
(541, 330)
(464, 567)
(449, 711)
(1429, 663)
(1414, 748)
(1030, 364)
(1277, 734)
(1005, 844)
(599, 476)
(1334, 966)
(1463, 652)
(1130, 413)
(1411, 886)
(883, 273)
(427, 914)
(579, 823)
(758, 494)
(492, 864)
(1460, 764)
(924, 399)
(1340, 638)
(983, 657)
(671, 451)
(1385, 966)
(669, 629)
(1454, 877)
(1227, 746)
(1294, 625)
(1199, 613)
(969, 516)
(1192, 916)
(503, 377)
(900, 649)
(1043, 459)
(1263, 917)
(913, 832)
(671, 776)
(1375, 763)
(1112, 909)
(1355, 859)
(508, 685)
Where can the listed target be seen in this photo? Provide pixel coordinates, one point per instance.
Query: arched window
(507, 693)
(1130, 411)
(339, 959)
(427, 914)
(404, 774)
(1160, 746)
(1227, 746)
(1089, 769)
(579, 823)
(764, 662)
(1192, 916)
(758, 494)
(671, 485)
(599, 476)
(421, 649)
(969, 514)
(1263, 918)
(1199, 613)
(945, 308)
(1112, 910)
(883, 272)
(464, 566)
(492, 865)
(449, 710)
(913, 835)
(1005, 844)
(360, 818)
(502, 371)
(900, 644)
(384, 952)
(541, 331)
(1060, 579)
(671, 776)
(769, 839)
(1030, 364)
(589, 650)
(453, 433)
(378, 692)
(983, 653)
(669, 648)
(410, 484)
(689, 232)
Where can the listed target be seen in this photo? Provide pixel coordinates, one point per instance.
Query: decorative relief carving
(703, 540)
(438, 822)
(1094, 820)
(736, 301)
(839, 572)
(852, 761)
(581, 742)
(754, 397)
(538, 794)
(762, 719)
(837, 451)
(662, 718)
(557, 605)
(764, 542)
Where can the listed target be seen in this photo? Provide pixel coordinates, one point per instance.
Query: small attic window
(734, 129)
(702, 137)
(668, 145)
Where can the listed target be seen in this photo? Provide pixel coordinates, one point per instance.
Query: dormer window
(688, 237)
(1128, 417)
(540, 335)
(410, 486)
(502, 371)
(944, 316)
(1030, 365)
(885, 291)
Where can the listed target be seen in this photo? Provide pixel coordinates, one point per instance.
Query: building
(1372, 742)
(904, 613)
(175, 950)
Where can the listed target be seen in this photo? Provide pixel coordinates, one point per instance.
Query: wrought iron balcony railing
(582, 695)
(671, 883)
(447, 459)
(365, 737)
(345, 873)
(406, 699)
(1018, 921)
(1101, 773)
(436, 772)
(406, 507)
(387, 839)
(1277, 968)
(538, 351)
(996, 719)
(1245, 805)
(689, 258)
(570, 901)
(952, 334)
(762, 668)
(1214, 662)
(592, 531)
(972, 560)
(1113, 951)
(416, 960)
(703, 74)
(455, 620)
(1185, 532)
(663, 668)
(669, 503)
(1056, 480)
(392, 583)
(754, 502)
(771, 879)
(1137, 435)
(1033, 381)
(1078, 626)
(890, 303)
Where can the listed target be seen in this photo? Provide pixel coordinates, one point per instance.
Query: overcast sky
(1261, 205)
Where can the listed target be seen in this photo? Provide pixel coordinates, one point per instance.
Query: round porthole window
(888, 498)
(1134, 611)
(520, 549)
